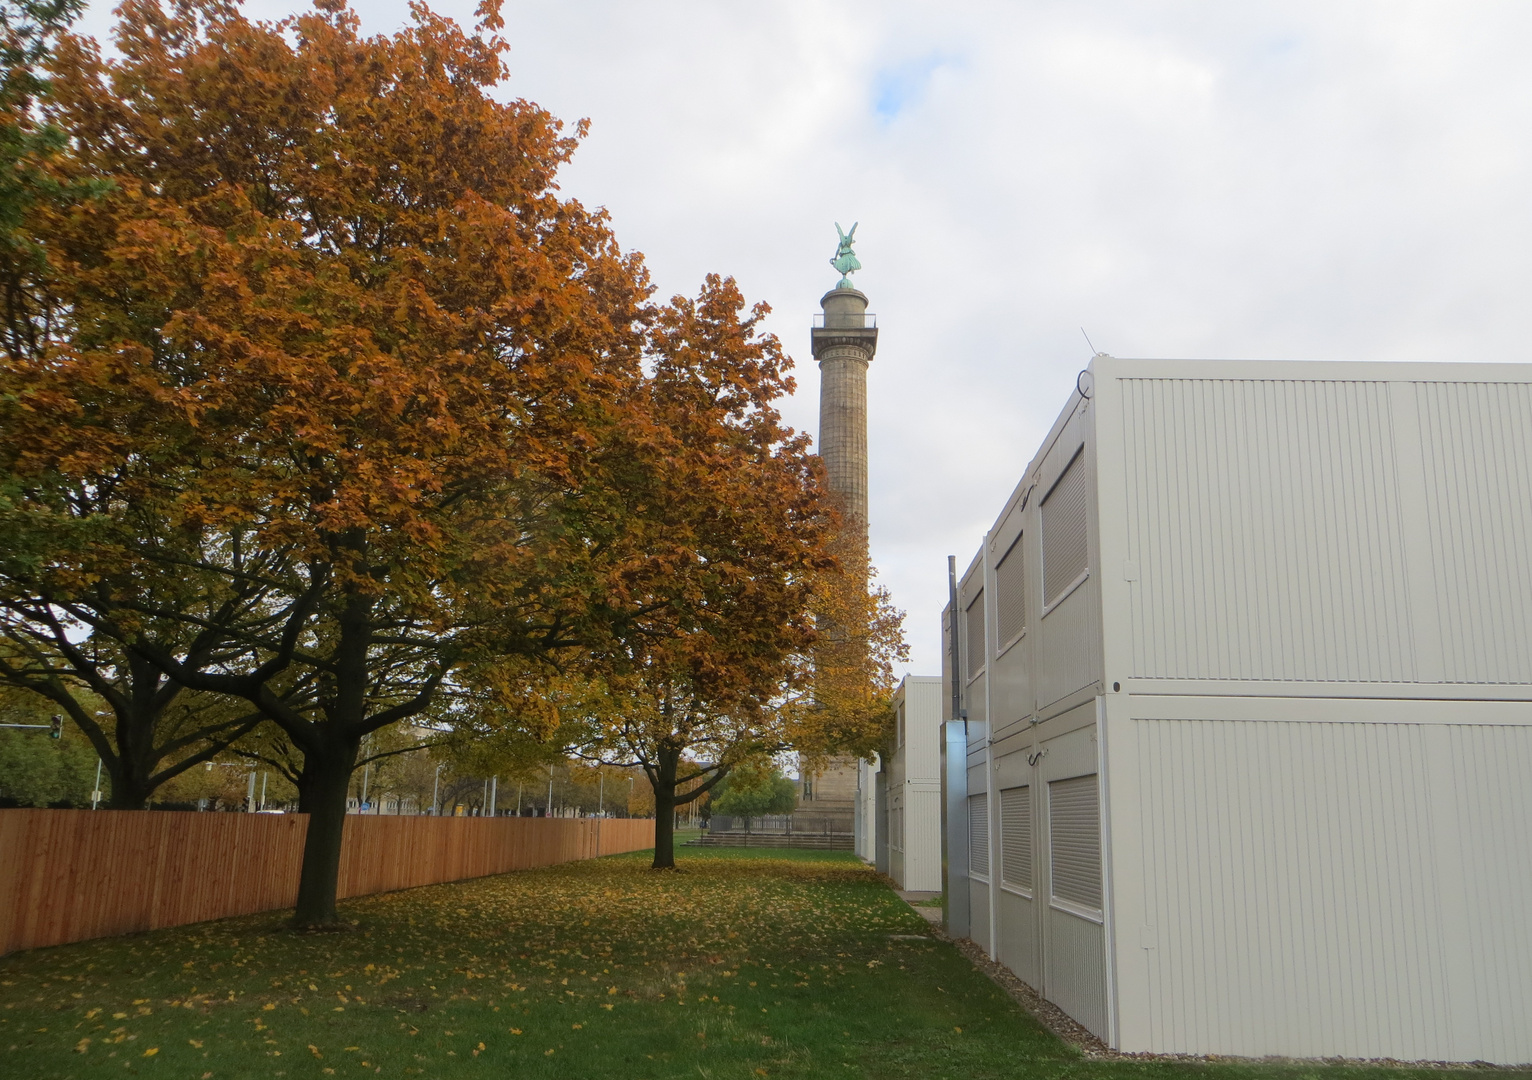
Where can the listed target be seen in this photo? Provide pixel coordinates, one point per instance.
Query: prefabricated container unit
(1246, 661)
(914, 796)
(864, 826)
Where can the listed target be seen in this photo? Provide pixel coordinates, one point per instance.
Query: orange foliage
(330, 374)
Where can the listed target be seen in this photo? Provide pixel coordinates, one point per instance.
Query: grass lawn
(745, 963)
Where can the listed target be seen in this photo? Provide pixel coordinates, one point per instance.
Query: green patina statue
(845, 259)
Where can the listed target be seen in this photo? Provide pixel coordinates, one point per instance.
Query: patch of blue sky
(896, 89)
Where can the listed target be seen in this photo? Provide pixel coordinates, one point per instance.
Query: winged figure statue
(845, 259)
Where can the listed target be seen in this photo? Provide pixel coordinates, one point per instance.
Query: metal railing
(867, 321)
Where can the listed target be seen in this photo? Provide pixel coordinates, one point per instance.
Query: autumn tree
(345, 361)
(754, 789)
(730, 527)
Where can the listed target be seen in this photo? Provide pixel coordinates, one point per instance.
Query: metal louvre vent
(1065, 510)
(978, 835)
(1016, 837)
(1010, 593)
(975, 628)
(896, 829)
(1074, 840)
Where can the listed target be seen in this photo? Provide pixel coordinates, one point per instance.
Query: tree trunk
(663, 780)
(327, 775)
(125, 793)
(127, 770)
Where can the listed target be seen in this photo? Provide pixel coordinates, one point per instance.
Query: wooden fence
(68, 875)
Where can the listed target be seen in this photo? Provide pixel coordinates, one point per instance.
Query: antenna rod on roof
(1086, 336)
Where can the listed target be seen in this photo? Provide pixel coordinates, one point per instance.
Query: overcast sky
(1307, 180)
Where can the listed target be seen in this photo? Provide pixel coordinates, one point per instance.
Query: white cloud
(1294, 179)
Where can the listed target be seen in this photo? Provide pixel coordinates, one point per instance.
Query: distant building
(1246, 665)
(912, 789)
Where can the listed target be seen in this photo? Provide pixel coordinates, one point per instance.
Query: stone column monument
(844, 341)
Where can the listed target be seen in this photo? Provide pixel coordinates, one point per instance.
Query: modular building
(913, 776)
(1245, 674)
(899, 796)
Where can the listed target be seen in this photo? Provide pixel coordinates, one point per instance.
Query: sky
(1269, 180)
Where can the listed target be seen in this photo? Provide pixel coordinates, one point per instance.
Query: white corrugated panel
(1351, 889)
(1264, 520)
(1492, 823)
(1016, 837)
(1065, 513)
(974, 626)
(978, 835)
(1010, 594)
(1477, 448)
(1074, 841)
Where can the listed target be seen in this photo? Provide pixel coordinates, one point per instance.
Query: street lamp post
(436, 786)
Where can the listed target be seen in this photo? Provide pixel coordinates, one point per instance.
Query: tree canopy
(320, 407)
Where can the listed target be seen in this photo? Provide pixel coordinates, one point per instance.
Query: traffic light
(56, 729)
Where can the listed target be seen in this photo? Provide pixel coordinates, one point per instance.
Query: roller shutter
(975, 628)
(1065, 511)
(978, 836)
(1016, 837)
(1010, 594)
(1074, 839)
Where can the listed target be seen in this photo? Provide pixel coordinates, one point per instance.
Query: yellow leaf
(151, 1051)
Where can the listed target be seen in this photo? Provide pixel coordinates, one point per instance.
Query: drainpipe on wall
(955, 909)
(880, 817)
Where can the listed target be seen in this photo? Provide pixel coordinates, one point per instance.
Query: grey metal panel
(1065, 515)
(922, 840)
(1076, 961)
(1477, 449)
(1017, 937)
(1490, 826)
(1074, 839)
(1016, 836)
(1319, 888)
(1010, 671)
(1067, 647)
(1074, 947)
(1263, 531)
(979, 924)
(978, 835)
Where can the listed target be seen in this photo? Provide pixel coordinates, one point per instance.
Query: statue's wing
(839, 233)
(852, 234)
